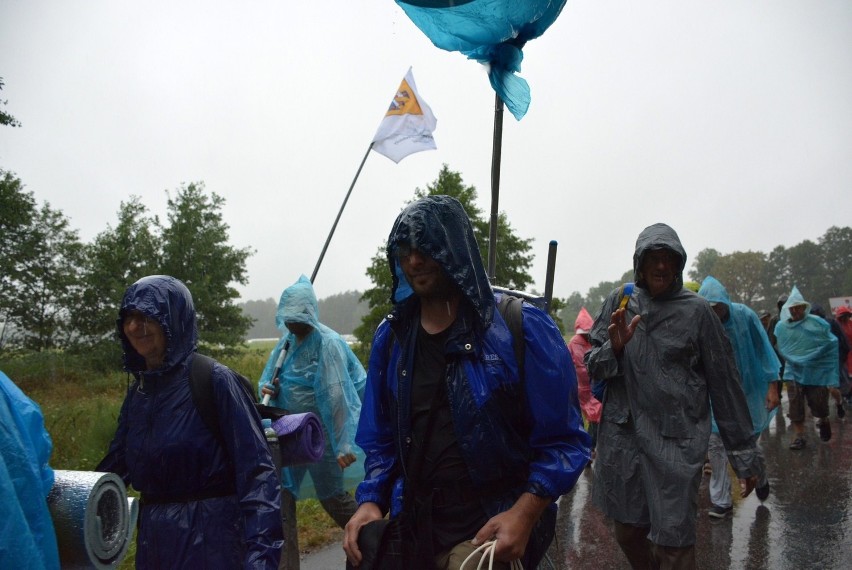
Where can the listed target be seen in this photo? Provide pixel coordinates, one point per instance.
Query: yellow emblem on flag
(404, 102)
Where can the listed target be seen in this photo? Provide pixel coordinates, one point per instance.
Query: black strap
(511, 309)
(201, 389)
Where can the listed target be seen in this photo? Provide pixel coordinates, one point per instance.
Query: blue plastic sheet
(492, 32)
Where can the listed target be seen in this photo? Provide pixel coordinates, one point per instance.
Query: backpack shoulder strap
(201, 388)
(511, 309)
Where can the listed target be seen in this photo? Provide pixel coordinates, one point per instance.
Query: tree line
(342, 312)
(821, 270)
(57, 292)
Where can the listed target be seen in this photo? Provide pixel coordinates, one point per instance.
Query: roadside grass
(81, 403)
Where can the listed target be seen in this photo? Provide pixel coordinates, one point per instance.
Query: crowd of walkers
(473, 417)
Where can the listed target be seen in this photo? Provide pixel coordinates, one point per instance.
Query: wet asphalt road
(805, 523)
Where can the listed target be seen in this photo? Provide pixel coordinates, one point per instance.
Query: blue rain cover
(492, 32)
(27, 538)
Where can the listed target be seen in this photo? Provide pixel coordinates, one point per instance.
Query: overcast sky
(729, 120)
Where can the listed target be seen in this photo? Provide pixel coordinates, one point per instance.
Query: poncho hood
(298, 304)
(654, 237)
(584, 322)
(439, 227)
(168, 301)
(712, 290)
(795, 298)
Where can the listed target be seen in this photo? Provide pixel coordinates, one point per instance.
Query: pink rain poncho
(579, 346)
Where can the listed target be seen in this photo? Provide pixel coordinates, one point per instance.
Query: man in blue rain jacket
(483, 449)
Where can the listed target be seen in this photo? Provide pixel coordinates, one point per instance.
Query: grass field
(81, 405)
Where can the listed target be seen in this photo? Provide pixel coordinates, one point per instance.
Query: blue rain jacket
(516, 434)
(655, 427)
(756, 359)
(27, 538)
(203, 506)
(808, 346)
(492, 32)
(320, 374)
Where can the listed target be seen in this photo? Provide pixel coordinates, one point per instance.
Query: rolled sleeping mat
(300, 437)
(93, 517)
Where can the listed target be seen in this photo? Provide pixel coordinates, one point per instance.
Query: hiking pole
(278, 363)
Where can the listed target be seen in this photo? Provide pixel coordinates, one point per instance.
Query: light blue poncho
(320, 374)
(756, 360)
(808, 346)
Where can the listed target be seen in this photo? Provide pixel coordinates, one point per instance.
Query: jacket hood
(714, 291)
(439, 227)
(795, 298)
(842, 310)
(298, 304)
(584, 322)
(658, 236)
(168, 301)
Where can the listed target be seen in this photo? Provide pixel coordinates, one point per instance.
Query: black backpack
(201, 389)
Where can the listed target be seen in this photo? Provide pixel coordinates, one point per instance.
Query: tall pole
(337, 219)
(496, 153)
(551, 271)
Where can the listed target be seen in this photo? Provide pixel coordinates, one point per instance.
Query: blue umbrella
(492, 32)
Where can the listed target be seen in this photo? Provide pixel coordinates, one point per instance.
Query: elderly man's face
(658, 270)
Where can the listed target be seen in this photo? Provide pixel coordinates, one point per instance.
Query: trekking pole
(278, 363)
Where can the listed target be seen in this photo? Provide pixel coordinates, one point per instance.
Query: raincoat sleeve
(601, 361)
(258, 489)
(25, 481)
(561, 447)
(336, 395)
(375, 434)
(730, 409)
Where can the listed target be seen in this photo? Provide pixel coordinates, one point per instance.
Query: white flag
(408, 124)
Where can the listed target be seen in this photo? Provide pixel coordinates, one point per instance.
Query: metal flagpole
(497, 149)
(337, 219)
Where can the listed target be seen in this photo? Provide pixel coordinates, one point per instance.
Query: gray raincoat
(656, 417)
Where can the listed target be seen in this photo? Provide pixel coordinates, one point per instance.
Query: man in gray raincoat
(664, 358)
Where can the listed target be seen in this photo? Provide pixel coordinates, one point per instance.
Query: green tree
(704, 264)
(5, 118)
(113, 261)
(513, 255)
(196, 251)
(741, 273)
(17, 210)
(47, 282)
(836, 246)
(598, 294)
(570, 309)
(805, 261)
(777, 277)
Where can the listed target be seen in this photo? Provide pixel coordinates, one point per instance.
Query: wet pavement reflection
(805, 523)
